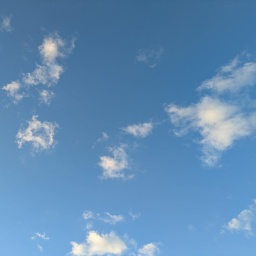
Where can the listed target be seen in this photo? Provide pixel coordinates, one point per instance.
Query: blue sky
(128, 128)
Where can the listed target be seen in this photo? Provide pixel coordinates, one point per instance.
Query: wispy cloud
(134, 216)
(150, 57)
(106, 217)
(13, 91)
(114, 167)
(244, 220)
(40, 248)
(150, 249)
(5, 24)
(232, 77)
(139, 130)
(39, 134)
(220, 120)
(99, 244)
(40, 236)
(46, 96)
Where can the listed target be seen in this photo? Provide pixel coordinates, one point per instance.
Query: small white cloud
(13, 91)
(232, 77)
(99, 244)
(6, 24)
(150, 57)
(39, 134)
(243, 222)
(133, 215)
(148, 250)
(88, 215)
(52, 48)
(114, 167)
(40, 248)
(139, 130)
(219, 124)
(46, 96)
(112, 219)
(40, 236)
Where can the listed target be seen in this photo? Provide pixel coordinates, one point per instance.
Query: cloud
(148, 250)
(220, 118)
(45, 74)
(139, 130)
(134, 216)
(114, 167)
(40, 248)
(99, 244)
(107, 217)
(41, 236)
(5, 24)
(243, 222)
(13, 91)
(39, 134)
(219, 124)
(46, 96)
(232, 77)
(112, 219)
(150, 57)
(52, 48)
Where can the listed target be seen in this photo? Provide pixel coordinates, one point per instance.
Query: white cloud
(134, 216)
(244, 220)
(219, 124)
(39, 134)
(6, 24)
(107, 217)
(41, 236)
(114, 167)
(150, 57)
(13, 91)
(232, 77)
(112, 219)
(88, 215)
(52, 48)
(46, 96)
(40, 248)
(148, 250)
(99, 244)
(139, 130)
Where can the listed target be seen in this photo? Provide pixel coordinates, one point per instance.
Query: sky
(128, 128)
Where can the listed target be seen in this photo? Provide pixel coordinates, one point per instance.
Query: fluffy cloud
(219, 118)
(244, 220)
(47, 73)
(219, 124)
(150, 57)
(52, 48)
(13, 91)
(114, 167)
(139, 130)
(232, 77)
(148, 250)
(99, 244)
(39, 134)
(5, 24)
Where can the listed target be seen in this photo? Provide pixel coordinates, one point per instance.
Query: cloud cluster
(46, 74)
(108, 244)
(5, 24)
(222, 117)
(114, 167)
(150, 57)
(39, 134)
(244, 220)
(139, 130)
(40, 236)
